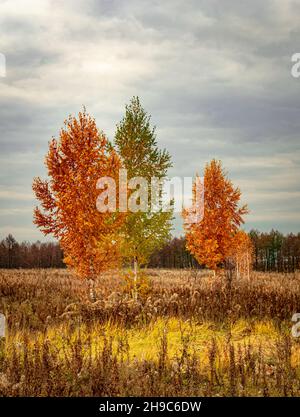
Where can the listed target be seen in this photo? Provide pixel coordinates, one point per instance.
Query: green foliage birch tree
(135, 141)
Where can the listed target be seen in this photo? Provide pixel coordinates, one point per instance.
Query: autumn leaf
(75, 162)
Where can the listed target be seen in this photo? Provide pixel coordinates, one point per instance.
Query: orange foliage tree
(68, 199)
(242, 254)
(211, 239)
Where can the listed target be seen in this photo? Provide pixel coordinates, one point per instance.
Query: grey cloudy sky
(214, 75)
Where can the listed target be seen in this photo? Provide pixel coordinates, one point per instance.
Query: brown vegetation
(210, 336)
(44, 295)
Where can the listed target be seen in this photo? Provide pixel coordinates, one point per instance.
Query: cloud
(215, 77)
(12, 195)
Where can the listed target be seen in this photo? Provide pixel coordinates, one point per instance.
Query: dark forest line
(273, 251)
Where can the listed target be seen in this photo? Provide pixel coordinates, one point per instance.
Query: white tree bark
(135, 275)
(92, 293)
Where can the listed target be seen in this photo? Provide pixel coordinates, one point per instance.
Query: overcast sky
(214, 75)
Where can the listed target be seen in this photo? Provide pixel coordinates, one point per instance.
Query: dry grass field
(187, 334)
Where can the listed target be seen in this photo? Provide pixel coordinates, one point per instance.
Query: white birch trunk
(92, 293)
(135, 275)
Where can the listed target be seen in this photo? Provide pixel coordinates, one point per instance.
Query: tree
(10, 252)
(135, 140)
(211, 240)
(173, 255)
(68, 200)
(242, 254)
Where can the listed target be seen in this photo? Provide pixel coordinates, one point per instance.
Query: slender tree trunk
(92, 293)
(135, 275)
(248, 267)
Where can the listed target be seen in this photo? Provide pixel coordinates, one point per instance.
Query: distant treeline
(30, 255)
(272, 252)
(276, 252)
